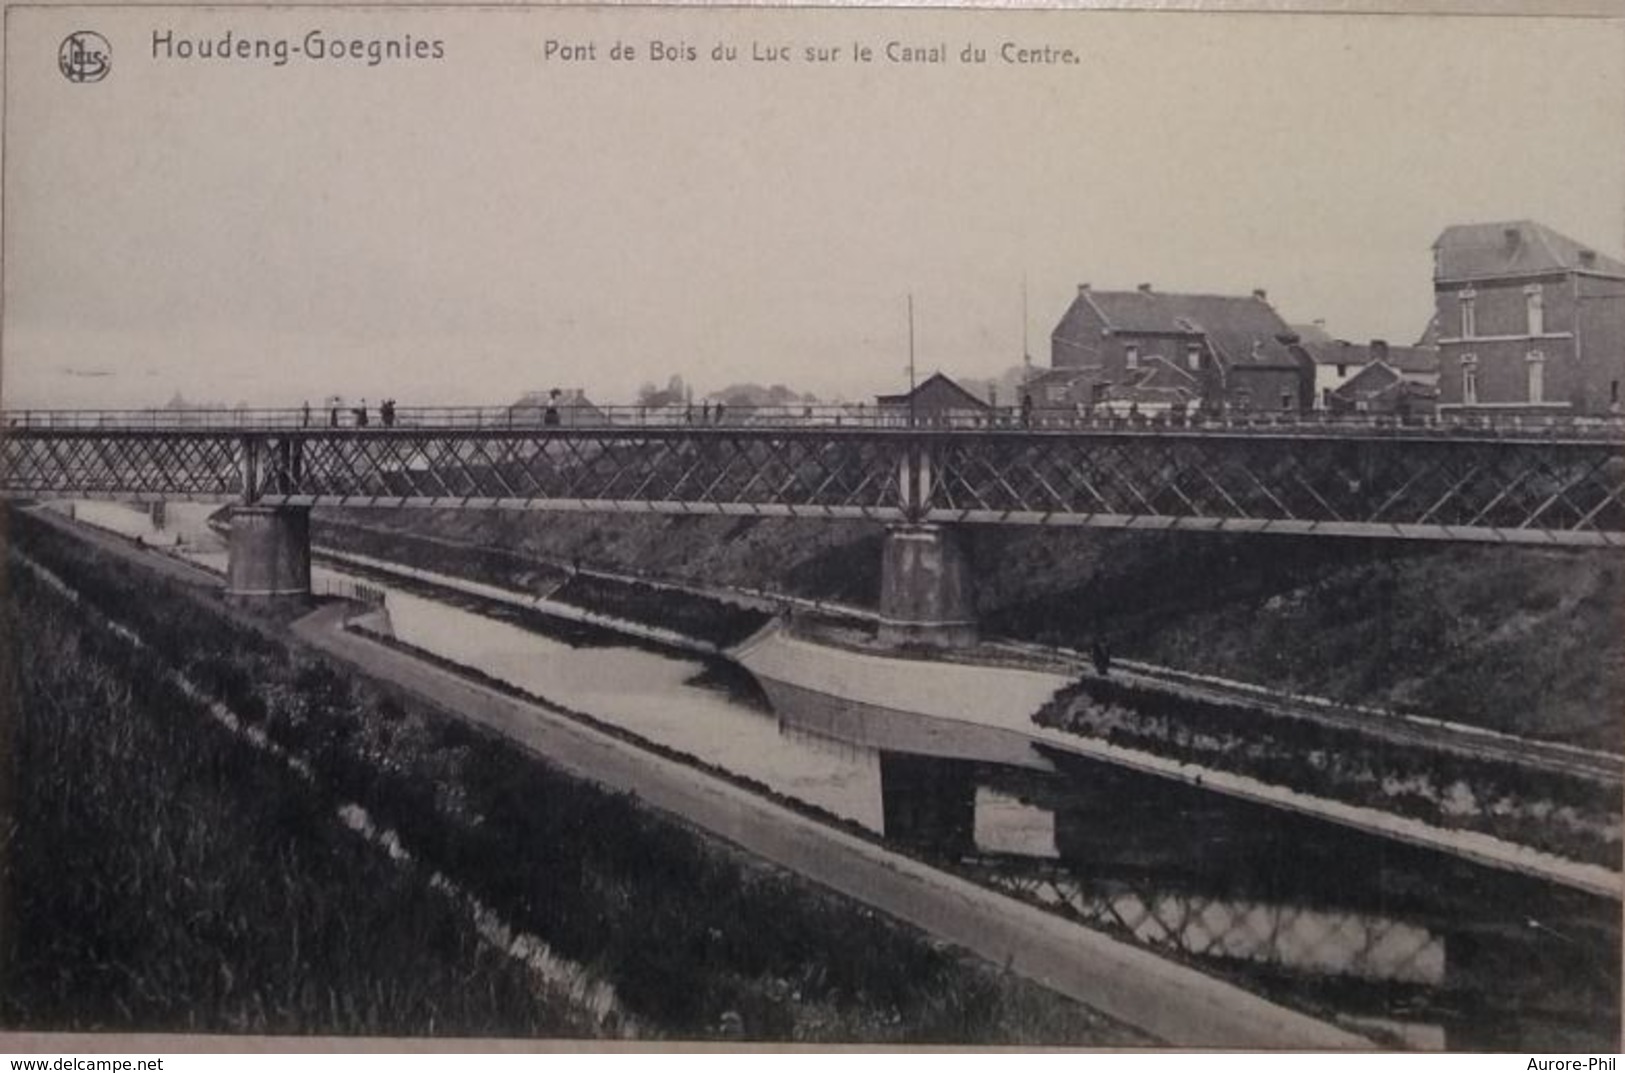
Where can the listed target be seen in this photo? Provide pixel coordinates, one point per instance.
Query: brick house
(1233, 353)
(1528, 320)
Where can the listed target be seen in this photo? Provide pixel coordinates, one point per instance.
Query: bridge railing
(813, 416)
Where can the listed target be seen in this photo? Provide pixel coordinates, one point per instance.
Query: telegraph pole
(1026, 351)
(911, 382)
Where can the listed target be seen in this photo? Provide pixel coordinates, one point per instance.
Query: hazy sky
(463, 230)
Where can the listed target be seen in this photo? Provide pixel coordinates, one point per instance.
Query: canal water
(1412, 946)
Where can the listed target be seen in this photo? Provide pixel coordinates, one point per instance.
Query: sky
(458, 231)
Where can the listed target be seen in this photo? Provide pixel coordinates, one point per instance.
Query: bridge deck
(1544, 483)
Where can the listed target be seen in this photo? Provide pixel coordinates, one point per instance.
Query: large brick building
(1221, 351)
(1528, 320)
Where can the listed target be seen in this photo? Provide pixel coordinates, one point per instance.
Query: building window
(1469, 379)
(1286, 400)
(1131, 354)
(1193, 356)
(1537, 376)
(1469, 319)
(1535, 303)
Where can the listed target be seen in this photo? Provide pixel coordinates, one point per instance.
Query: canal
(1411, 946)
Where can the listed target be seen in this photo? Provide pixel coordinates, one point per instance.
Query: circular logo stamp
(85, 56)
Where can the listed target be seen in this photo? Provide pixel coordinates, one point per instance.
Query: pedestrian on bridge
(304, 415)
(1027, 410)
(386, 412)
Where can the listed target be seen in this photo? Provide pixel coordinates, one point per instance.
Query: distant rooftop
(1514, 248)
(1244, 330)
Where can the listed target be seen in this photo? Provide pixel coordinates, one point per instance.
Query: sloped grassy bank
(682, 928)
(1522, 640)
(1572, 816)
(164, 877)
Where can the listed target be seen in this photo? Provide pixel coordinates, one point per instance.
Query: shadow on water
(1417, 947)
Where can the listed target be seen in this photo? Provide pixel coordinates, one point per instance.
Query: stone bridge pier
(927, 593)
(269, 553)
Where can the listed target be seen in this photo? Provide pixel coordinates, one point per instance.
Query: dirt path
(1168, 1001)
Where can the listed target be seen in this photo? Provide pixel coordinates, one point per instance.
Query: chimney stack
(1144, 288)
(1083, 288)
(1514, 238)
(1588, 258)
(1261, 294)
(1379, 350)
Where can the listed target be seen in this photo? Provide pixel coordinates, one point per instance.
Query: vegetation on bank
(1571, 816)
(701, 617)
(483, 563)
(164, 877)
(687, 932)
(1521, 640)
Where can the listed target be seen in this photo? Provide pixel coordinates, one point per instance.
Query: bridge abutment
(927, 594)
(269, 553)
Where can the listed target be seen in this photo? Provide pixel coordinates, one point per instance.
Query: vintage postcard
(767, 525)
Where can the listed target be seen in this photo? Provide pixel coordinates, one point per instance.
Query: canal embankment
(695, 938)
(1500, 638)
(1455, 789)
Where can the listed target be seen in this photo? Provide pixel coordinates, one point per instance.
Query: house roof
(938, 380)
(1160, 374)
(1513, 248)
(1244, 331)
(1408, 359)
(1378, 379)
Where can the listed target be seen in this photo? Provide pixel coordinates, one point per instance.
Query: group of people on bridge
(360, 415)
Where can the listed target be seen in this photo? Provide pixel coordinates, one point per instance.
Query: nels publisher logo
(84, 57)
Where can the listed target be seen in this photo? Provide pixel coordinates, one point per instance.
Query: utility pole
(1026, 351)
(911, 381)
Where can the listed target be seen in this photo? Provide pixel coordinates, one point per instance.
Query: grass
(683, 928)
(166, 877)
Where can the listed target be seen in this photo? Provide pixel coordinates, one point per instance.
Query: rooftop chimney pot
(1513, 236)
(1261, 294)
(1145, 288)
(1083, 288)
(1588, 257)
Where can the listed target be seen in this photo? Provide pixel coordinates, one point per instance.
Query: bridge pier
(269, 553)
(927, 594)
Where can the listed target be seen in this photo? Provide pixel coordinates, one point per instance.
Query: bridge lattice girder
(1447, 487)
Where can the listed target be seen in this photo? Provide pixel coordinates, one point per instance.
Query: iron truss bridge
(1552, 485)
